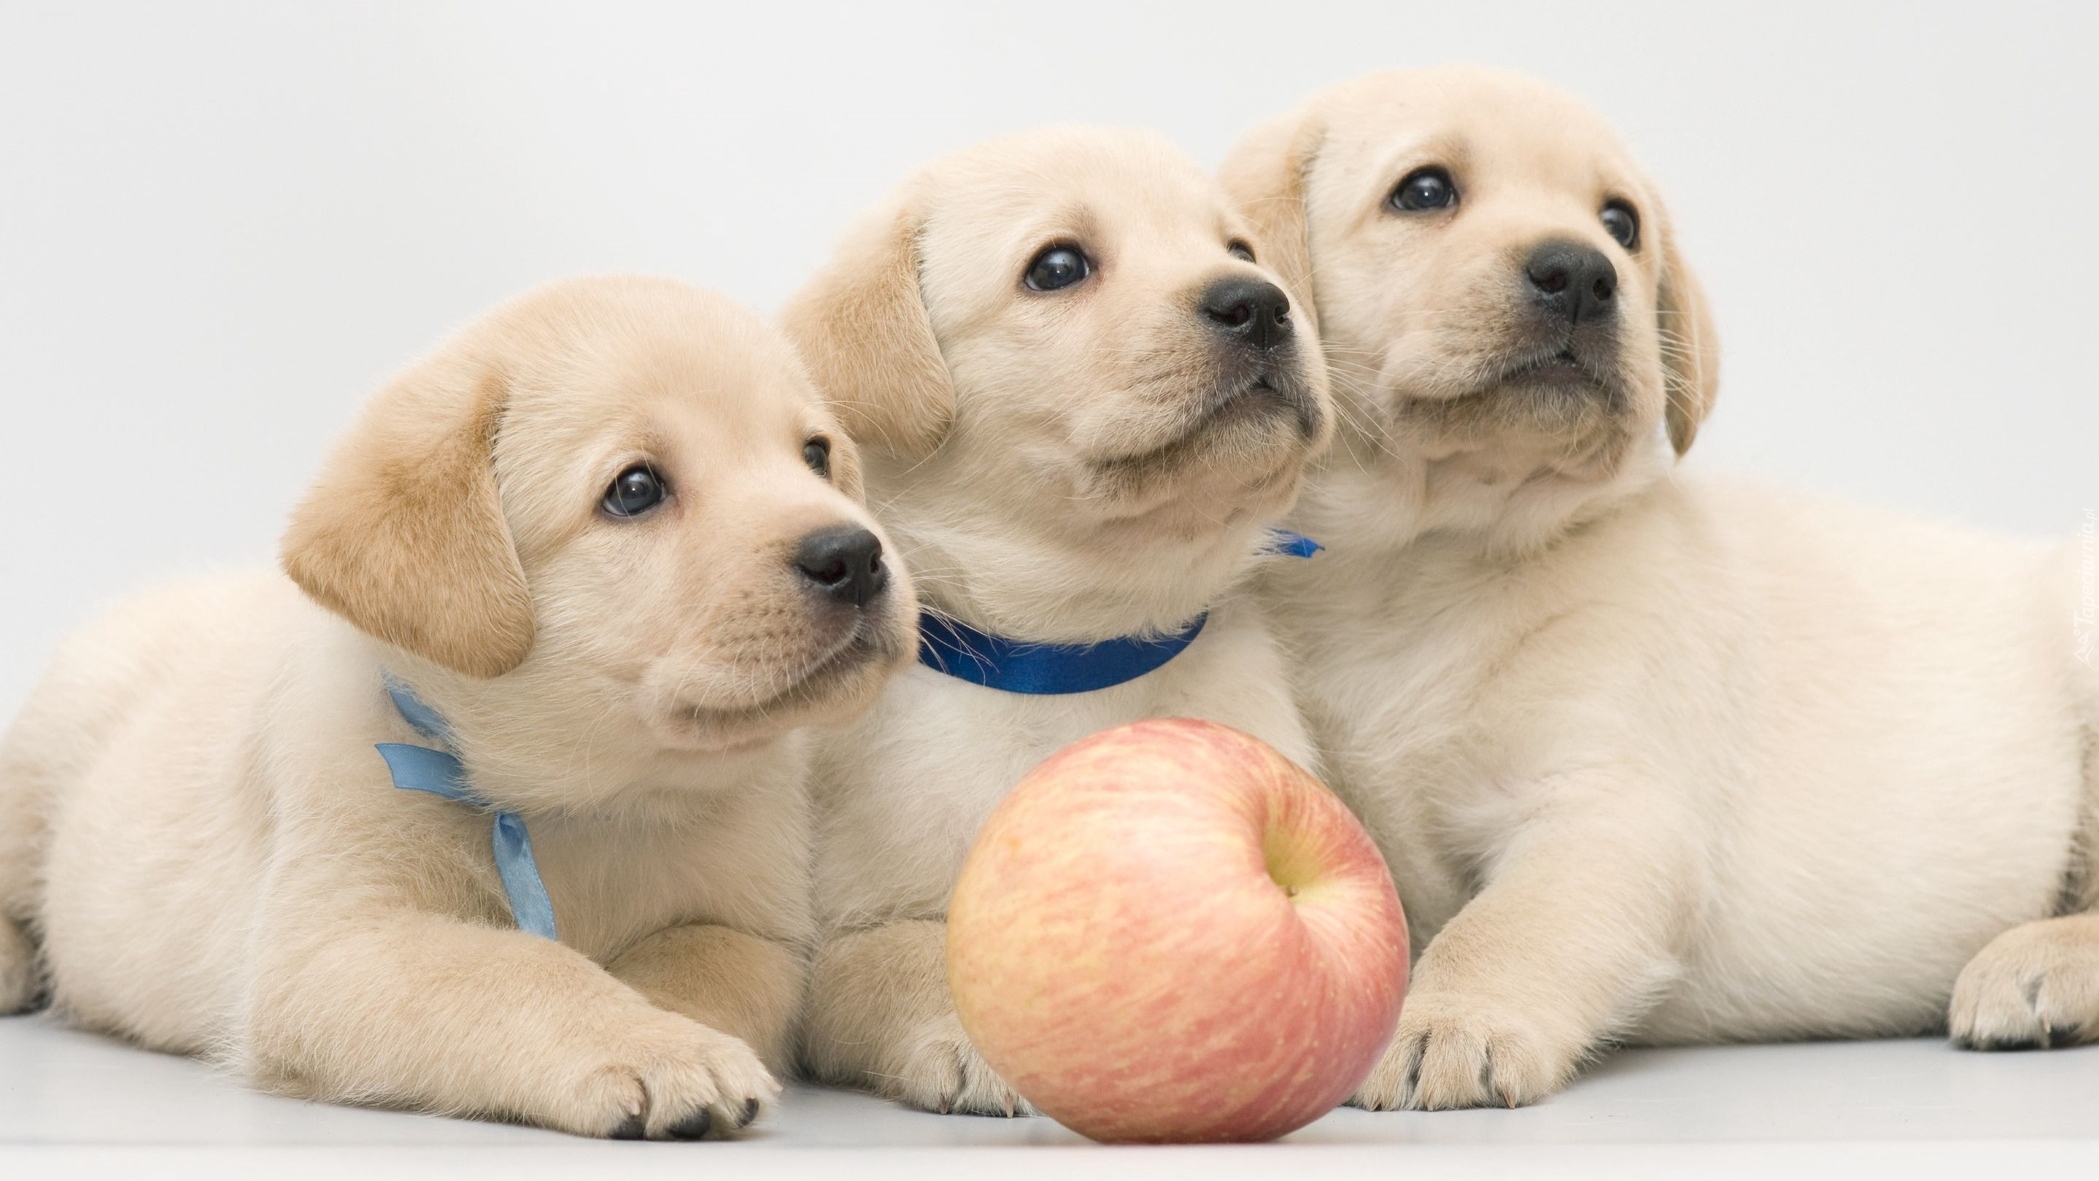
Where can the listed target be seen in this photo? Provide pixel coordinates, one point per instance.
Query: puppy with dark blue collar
(1084, 402)
(496, 806)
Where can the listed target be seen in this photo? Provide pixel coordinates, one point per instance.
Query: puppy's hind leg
(23, 794)
(2037, 985)
(881, 1019)
(93, 689)
(19, 990)
(2034, 987)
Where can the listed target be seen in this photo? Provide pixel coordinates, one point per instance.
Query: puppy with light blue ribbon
(1085, 401)
(496, 806)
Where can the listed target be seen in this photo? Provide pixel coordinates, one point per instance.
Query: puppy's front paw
(943, 1072)
(674, 1080)
(2033, 987)
(1448, 1054)
(18, 978)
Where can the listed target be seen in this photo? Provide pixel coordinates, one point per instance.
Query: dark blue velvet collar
(1023, 666)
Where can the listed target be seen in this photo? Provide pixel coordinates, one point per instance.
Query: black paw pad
(631, 1128)
(692, 1127)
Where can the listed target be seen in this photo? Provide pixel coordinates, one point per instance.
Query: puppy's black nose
(844, 562)
(1571, 281)
(1253, 310)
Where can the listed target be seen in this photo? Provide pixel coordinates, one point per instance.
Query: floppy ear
(403, 534)
(1690, 345)
(1265, 176)
(862, 329)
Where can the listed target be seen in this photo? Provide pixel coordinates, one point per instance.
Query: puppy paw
(678, 1080)
(942, 1072)
(19, 986)
(1449, 1054)
(2033, 987)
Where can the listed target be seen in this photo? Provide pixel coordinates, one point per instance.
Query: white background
(221, 226)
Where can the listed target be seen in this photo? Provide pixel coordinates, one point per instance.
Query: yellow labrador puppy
(577, 575)
(1654, 757)
(1084, 401)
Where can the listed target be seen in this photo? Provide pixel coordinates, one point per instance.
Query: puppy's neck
(539, 740)
(1084, 583)
(1502, 503)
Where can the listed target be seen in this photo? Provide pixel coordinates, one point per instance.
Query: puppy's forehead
(1496, 129)
(1014, 190)
(672, 360)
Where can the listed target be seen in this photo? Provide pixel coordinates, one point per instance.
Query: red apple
(1169, 932)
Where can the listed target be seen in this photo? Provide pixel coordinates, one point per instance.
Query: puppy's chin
(1239, 451)
(745, 706)
(1570, 430)
(1547, 411)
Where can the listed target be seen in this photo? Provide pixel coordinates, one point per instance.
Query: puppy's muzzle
(1251, 318)
(1250, 312)
(843, 563)
(1564, 338)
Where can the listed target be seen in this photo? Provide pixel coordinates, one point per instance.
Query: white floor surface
(76, 1105)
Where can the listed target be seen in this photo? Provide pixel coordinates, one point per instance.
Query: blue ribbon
(1022, 666)
(439, 772)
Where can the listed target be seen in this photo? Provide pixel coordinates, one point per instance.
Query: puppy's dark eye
(634, 492)
(1057, 268)
(817, 454)
(1620, 222)
(1424, 188)
(1241, 250)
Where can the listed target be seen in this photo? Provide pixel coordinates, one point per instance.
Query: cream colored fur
(1654, 756)
(195, 825)
(1001, 424)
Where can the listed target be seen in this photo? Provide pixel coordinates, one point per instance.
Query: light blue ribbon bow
(439, 772)
(1023, 666)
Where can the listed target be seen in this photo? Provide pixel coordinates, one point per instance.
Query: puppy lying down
(1653, 756)
(1084, 401)
(579, 574)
